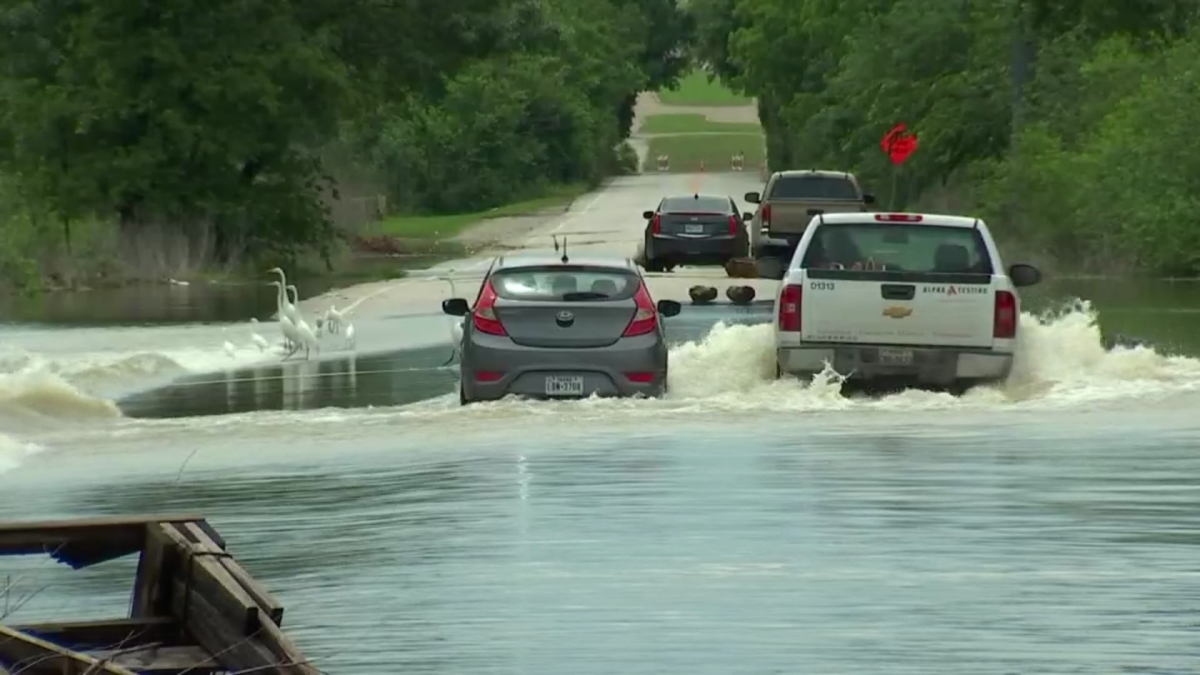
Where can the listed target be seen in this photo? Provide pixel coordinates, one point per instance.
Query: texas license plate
(693, 229)
(564, 385)
(895, 357)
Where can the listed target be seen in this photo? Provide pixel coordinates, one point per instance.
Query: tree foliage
(213, 117)
(1062, 121)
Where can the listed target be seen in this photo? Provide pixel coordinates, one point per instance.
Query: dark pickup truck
(788, 203)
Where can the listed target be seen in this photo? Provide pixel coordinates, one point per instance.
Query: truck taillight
(898, 217)
(766, 215)
(789, 309)
(484, 316)
(1004, 325)
(645, 320)
(734, 222)
(656, 227)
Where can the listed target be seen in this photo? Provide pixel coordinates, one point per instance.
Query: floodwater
(740, 525)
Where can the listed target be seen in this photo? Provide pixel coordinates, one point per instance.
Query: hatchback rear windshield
(696, 205)
(570, 283)
(895, 247)
(813, 187)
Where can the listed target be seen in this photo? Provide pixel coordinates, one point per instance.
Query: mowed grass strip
(695, 89)
(445, 226)
(687, 152)
(693, 124)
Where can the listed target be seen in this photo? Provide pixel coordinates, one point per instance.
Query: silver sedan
(544, 327)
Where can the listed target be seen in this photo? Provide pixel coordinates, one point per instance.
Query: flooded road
(1049, 525)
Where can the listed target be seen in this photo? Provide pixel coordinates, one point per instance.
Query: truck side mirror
(752, 197)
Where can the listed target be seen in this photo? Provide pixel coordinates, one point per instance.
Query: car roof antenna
(564, 256)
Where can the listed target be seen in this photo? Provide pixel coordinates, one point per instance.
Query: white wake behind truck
(917, 298)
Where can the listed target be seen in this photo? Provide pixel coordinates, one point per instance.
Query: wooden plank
(80, 542)
(205, 576)
(164, 660)
(259, 593)
(270, 606)
(76, 634)
(149, 590)
(285, 650)
(217, 634)
(32, 656)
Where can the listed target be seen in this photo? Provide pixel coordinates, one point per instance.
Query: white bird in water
(286, 308)
(260, 342)
(333, 319)
(305, 332)
(286, 325)
(350, 335)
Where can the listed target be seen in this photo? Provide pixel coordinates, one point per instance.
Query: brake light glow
(733, 225)
(640, 378)
(488, 376)
(1004, 324)
(898, 217)
(484, 316)
(645, 320)
(766, 214)
(657, 226)
(790, 302)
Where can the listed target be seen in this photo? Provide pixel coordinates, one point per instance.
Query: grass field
(416, 227)
(686, 152)
(695, 89)
(691, 124)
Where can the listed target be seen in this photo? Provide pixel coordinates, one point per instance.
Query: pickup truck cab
(917, 298)
(788, 202)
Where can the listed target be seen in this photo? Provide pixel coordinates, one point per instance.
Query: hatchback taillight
(790, 302)
(484, 316)
(656, 227)
(733, 225)
(645, 320)
(1004, 323)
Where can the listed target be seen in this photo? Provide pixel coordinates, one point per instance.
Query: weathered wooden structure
(194, 609)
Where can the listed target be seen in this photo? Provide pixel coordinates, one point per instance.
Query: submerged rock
(740, 295)
(702, 295)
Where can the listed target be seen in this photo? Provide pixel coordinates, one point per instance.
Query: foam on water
(13, 452)
(1061, 363)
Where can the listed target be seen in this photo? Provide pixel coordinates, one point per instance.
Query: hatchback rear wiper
(584, 295)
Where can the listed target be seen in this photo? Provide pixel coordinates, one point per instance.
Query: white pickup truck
(923, 299)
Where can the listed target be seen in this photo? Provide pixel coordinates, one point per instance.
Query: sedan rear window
(893, 247)
(814, 187)
(692, 204)
(570, 283)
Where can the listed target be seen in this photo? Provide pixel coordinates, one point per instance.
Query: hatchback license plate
(895, 357)
(693, 229)
(564, 385)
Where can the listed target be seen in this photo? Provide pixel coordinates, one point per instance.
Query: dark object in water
(740, 295)
(702, 295)
(1111, 342)
(194, 609)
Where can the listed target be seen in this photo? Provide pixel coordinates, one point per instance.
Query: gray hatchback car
(545, 327)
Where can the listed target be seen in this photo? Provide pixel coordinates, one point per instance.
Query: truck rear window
(895, 247)
(568, 283)
(814, 187)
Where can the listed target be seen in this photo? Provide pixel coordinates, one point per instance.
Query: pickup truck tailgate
(897, 312)
(791, 217)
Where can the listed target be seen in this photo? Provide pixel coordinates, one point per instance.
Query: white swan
(350, 335)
